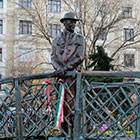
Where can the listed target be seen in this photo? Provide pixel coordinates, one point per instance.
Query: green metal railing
(103, 110)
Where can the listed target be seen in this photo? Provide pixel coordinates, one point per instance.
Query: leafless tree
(100, 19)
(101, 22)
(38, 42)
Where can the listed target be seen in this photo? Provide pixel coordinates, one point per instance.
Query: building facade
(26, 33)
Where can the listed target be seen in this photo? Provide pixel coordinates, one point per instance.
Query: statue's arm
(59, 69)
(55, 64)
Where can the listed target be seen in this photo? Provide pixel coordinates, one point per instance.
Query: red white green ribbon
(59, 108)
(47, 94)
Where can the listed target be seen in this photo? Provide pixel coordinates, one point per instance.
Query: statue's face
(69, 25)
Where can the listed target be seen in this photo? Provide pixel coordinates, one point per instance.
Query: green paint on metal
(57, 138)
(95, 104)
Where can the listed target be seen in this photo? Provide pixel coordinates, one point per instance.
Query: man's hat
(69, 16)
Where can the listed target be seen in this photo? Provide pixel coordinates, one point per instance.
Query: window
(127, 12)
(1, 26)
(25, 55)
(25, 27)
(54, 30)
(129, 60)
(101, 10)
(1, 3)
(25, 4)
(54, 6)
(0, 54)
(128, 34)
(102, 36)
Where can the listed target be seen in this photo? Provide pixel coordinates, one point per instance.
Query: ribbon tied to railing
(59, 108)
(47, 94)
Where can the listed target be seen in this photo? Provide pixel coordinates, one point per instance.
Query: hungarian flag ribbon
(47, 94)
(59, 108)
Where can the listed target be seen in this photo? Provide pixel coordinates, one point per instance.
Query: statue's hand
(59, 72)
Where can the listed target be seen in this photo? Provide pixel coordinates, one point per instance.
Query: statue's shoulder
(80, 35)
(57, 39)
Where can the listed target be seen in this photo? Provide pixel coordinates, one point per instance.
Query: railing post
(138, 121)
(19, 132)
(77, 119)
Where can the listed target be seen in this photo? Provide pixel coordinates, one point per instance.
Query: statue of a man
(68, 52)
(68, 48)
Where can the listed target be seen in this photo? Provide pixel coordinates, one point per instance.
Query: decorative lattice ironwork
(7, 110)
(37, 120)
(110, 110)
(99, 110)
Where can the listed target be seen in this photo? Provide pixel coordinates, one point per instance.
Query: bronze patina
(68, 52)
(68, 48)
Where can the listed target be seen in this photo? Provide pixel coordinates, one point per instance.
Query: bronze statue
(68, 49)
(68, 52)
